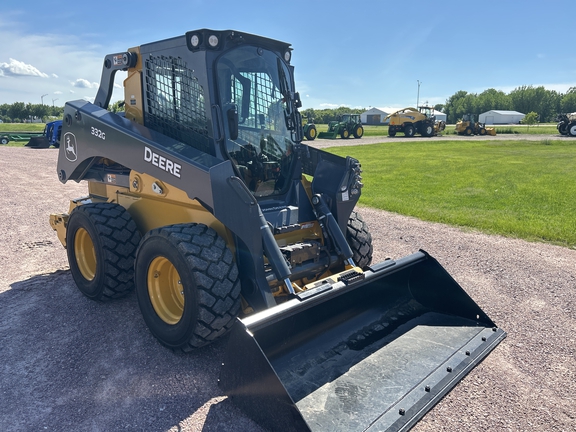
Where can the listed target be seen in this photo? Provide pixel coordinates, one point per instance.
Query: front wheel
(391, 132)
(428, 130)
(572, 129)
(5, 140)
(345, 134)
(101, 242)
(409, 130)
(187, 285)
(359, 239)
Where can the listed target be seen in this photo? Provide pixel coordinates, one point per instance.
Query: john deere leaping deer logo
(70, 147)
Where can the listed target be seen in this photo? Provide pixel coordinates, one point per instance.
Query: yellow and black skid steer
(202, 198)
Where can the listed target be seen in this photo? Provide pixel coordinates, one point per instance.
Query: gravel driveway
(68, 363)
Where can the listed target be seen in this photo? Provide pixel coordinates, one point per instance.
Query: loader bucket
(374, 354)
(38, 142)
(328, 135)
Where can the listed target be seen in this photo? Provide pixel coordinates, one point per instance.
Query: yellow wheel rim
(359, 131)
(165, 290)
(85, 254)
(312, 133)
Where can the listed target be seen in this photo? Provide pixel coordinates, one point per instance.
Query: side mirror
(297, 100)
(232, 116)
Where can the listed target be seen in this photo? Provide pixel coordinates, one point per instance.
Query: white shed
(494, 117)
(440, 116)
(375, 116)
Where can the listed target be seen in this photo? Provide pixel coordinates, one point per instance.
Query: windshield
(254, 83)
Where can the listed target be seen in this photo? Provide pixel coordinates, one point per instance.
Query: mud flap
(38, 142)
(373, 354)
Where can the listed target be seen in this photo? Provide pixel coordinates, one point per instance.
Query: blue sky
(356, 54)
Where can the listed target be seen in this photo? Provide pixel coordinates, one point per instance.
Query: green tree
(530, 119)
(117, 106)
(568, 101)
(17, 110)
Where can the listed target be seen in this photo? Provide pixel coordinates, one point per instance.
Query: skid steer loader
(202, 198)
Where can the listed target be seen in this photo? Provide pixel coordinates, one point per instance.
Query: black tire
(4, 140)
(187, 285)
(359, 239)
(409, 130)
(563, 128)
(391, 132)
(345, 134)
(311, 133)
(101, 242)
(482, 131)
(427, 130)
(468, 131)
(572, 129)
(358, 131)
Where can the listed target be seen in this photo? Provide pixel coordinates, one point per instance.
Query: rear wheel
(4, 140)
(572, 129)
(311, 133)
(409, 130)
(345, 134)
(359, 239)
(101, 242)
(358, 131)
(187, 285)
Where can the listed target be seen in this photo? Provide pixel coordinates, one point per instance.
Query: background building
(494, 117)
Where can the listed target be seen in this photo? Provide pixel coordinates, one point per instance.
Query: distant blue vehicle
(50, 137)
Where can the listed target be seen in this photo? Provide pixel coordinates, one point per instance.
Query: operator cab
(261, 118)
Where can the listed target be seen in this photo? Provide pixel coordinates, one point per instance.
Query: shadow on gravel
(69, 363)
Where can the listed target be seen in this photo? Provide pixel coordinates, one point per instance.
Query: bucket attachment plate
(375, 354)
(38, 142)
(328, 135)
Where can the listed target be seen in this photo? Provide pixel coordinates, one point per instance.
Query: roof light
(287, 56)
(213, 41)
(195, 40)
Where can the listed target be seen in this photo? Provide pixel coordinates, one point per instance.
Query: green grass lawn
(518, 189)
(22, 127)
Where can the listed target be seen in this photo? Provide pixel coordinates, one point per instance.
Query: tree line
(20, 112)
(547, 104)
(525, 99)
(325, 116)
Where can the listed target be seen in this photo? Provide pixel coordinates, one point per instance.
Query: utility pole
(418, 97)
(42, 98)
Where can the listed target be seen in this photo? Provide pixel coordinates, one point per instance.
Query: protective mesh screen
(175, 102)
(262, 95)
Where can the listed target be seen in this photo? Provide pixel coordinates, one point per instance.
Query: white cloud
(18, 68)
(54, 75)
(82, 83)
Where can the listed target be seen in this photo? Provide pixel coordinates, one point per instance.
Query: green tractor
(309, 129)
(349, 124)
